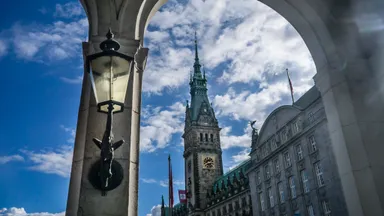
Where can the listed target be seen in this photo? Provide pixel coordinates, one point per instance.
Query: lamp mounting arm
(107, 148)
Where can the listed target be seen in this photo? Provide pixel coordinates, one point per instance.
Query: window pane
(299, 152)
(326, 208)
(261, 202)
(310, 211)
(304, 179)
(292, 186)
(319, 174)
(277, 166)
(312, 143)
(271, 199)
(258, 178)
(281, 192)
(287, 159)
(267, 172)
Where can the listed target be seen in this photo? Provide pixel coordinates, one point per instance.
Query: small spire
(162, 201)
(196, 52)
(187, 104)
(204, 71)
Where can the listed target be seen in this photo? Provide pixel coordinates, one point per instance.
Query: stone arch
(127, 18)
(348, 71)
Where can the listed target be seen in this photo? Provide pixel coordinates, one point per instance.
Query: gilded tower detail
(202, 150)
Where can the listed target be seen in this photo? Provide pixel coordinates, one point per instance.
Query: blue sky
(244, 46)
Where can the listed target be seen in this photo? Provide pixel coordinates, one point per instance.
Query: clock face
(208, 163)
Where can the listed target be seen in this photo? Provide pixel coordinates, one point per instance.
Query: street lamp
(109, 74)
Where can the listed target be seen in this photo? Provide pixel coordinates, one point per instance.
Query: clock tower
(202, 150)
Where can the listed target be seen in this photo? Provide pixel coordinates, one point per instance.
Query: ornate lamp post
(109, 76)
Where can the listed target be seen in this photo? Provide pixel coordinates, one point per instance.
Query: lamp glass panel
(110, 76)
(120, 78)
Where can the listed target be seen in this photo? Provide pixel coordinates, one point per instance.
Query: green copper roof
(244, 166)
(179, 206)
(198, 89)
(166, 211)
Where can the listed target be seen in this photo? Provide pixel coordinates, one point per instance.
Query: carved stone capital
(141, 58)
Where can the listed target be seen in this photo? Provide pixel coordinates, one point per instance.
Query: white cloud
(77, 80)
(255, 42)
(246, 105)
(155, 211)
(53, 42)
(158, 126)
(7, 159)
(168, 70)
(148, 181)
(157, 36)
(43, 10)
(162, 183)
(241, 156)
(21, 212)
(56, 161)
(230, 141)
(3, 48)
(71, 132)
(69, 10)
(237, 159)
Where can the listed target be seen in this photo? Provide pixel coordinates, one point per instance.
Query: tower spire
(196, 65)
(196, 51)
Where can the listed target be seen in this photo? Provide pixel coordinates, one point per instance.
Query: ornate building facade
(293, 169)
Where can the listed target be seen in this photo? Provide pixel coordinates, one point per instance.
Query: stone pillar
(355, 116)
(78, 151)
(128, 20)
(140, 61)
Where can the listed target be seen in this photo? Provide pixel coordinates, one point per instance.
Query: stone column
(140, 61)
(354, 109)
(128, 20)
(78, 151)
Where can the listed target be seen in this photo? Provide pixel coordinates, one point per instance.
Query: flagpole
(290, 86)
(170, 186)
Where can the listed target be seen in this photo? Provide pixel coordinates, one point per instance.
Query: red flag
(290, 86)
(183, 196)
(170, 183)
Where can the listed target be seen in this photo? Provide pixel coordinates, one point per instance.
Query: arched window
(211, 137)
(206, 137)
(201, 137)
